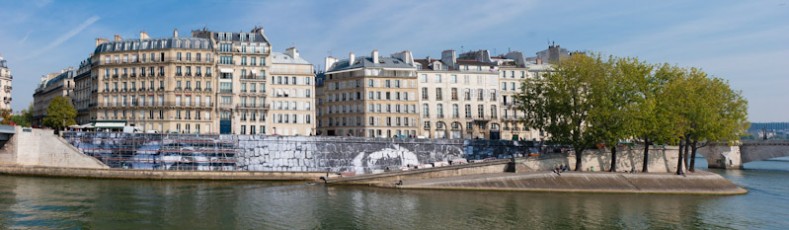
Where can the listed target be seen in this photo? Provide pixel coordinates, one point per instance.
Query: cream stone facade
(59, 84)
(243, 61)
(371, 96)
(459, 98)
(291, 93)
(5, 84)
(85, 93)
(164, 85)
(211, 82)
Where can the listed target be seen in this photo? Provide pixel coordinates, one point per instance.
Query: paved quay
(157, 174)
(705, 183)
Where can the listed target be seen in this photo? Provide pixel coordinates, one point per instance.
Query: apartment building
(371, 96)
(513, 70)
(5, 84)
(51, 86)
(243, 61)
(85, 93)
(291, 95)
(459, 97)
(161, 84)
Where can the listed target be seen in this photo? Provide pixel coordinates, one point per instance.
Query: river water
(59, 203)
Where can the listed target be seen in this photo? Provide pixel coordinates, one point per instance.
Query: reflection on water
(29, 202)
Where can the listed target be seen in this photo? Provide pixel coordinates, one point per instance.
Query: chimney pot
(144, 35)
(351, 58)
(118, 38)
(375, 56)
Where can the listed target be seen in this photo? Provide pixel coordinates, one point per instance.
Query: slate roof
(154, 44)
(283, 58)
(367, 62)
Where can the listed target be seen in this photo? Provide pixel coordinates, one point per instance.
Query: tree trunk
(646, 155)
(578, 159)
(679, 157)
(693, 147)
(613, 159)
(686, 155)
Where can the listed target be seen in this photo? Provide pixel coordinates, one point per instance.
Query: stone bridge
(721, 155)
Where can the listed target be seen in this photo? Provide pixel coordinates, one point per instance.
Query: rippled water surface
(32, 202)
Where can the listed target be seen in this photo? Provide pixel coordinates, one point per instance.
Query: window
(468, 111)
(454, 79)
(424, 93)
(423, 78)
(480, 94)
(438, 78)
(481, 111)
(425, 110)
(439, 94)
(492, 95)
(440, 110)
(455, 111)
(467, 94)
(454, 94)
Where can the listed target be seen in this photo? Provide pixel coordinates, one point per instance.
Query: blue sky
(745, 42)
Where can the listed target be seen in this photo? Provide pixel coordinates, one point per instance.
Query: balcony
(252, 106)
(208, 89)
(114, 76)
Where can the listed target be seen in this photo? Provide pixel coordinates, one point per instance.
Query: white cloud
(63, 38)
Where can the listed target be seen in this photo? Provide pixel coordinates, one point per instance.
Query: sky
(744, 42)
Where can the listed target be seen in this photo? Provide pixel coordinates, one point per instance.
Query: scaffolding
(158, 151)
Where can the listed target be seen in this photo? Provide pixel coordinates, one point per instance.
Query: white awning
(223, 70)
(110, 124)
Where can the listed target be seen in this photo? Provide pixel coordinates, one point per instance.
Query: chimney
(351, 58)
(539, 61)
(329, 62)
(292, 52)
(375, 56)
(144, 35)
(449, 58)
(118, 38)
(175, 33)
(100, 41)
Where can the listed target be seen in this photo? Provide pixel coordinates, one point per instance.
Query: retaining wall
(41, 147)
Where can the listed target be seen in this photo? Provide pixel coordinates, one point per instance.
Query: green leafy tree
(720, 115)
(559, 102)
(24, 118)
(60, 113)
(6, 117)
(656, 110)
(616, 99)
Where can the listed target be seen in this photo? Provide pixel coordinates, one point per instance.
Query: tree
(656, 110)
(559, 102)
(24, 118)
(616, 101)
(721, 114)
(6, 117)
(60, 113)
